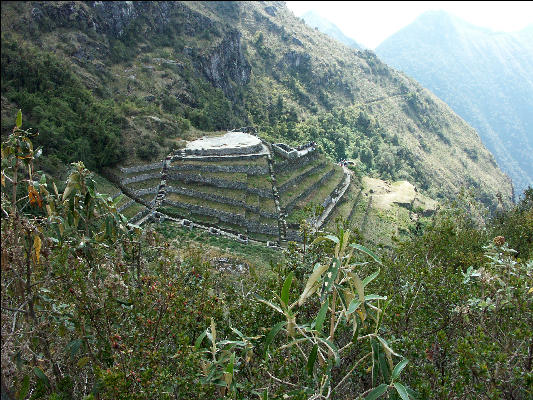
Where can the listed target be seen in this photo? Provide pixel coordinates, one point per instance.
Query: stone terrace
(228, 185)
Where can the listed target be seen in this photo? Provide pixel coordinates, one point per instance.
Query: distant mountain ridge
(315, 20)
(485, 76)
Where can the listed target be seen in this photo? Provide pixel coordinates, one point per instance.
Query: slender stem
(349, 373)
(332, 321)
(15, 179)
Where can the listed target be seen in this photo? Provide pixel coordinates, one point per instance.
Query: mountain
(486, 77)
(314, 20)
(117, 83)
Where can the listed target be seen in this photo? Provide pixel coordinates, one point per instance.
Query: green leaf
(268, 303)
(334, 349)
(273, 332)
(377, 392)
(40, 374)
(384, 367)
(354, 305)
(332, 238)
(82, 362)
(73, 347)
(312, 359)
(24, 388)
(286, 289)
(401, 390)
(412, 394)
(370, 278)
(374, 297)
(359, 286)
(310, 286)
(321, 316)
(366, 251)
(229, 367)
(18, 122)
(331, 276)
(398, 368)
(199, 340)
(386, 346)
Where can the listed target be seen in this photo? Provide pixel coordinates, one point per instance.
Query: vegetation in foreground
(93, 307)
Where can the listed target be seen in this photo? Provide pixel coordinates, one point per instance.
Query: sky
(371, 22)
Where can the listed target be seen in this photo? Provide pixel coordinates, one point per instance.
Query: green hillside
(121, 83)
(486, 77)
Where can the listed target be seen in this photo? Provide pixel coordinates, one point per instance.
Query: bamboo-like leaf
(238, 332)
(213, 335)
(402, 391)
(377, 392)
(311, 285)
(68, 190)
(334, 349)
(331, 276)
(291, 324)
(74, 346)
(18, 121)
(366, 251)
(268, 303)
(273, 332)
(37, 248)
(24, 388)
(384, 367)
(386, 346)
(321, 316)
(354, 305)
(359, 287)
(40, 374)
(370, 278)
(286, 289)
(199, 340)
(333, 238)
(412, 394)
(82, 362)
(311, 360)
(374, 297)
(355, 332)
(398, 368)
(228, 372)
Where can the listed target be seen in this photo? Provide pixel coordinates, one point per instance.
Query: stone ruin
(237, 145)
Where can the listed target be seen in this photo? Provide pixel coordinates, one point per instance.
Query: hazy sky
(371, 22)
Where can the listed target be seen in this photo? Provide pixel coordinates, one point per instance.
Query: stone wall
(128, 204)
(246, 169)
(294, 181)
(354, 207)
(142, 168)
(141, 214)
(290, 206)
(306, 146)
(220, 199)
(236, 219)
(284, 151)
(294, 235)
(242, 157)
(224, 151)
(221, 183)
(295, 163)
(334, 194)
(140, 178)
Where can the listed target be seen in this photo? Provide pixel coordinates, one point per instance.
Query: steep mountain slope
(486, 77)
(150, 75)
(314, 20)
